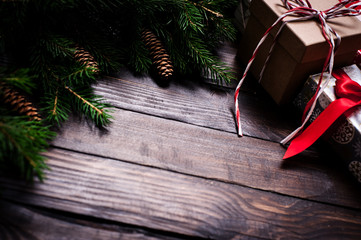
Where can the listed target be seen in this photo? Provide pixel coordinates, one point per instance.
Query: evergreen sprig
(41, 39)
(19, 78)
(21, 142)
(57, 108)
(91, 105)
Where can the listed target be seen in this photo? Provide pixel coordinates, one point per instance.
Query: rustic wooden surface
(171, 166)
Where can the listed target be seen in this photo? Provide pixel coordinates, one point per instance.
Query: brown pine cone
(85, 58)
(18, 102)
(158, 54)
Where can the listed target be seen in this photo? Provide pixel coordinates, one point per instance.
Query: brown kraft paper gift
(300, 49)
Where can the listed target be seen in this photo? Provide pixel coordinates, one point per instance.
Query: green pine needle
(57, 109)
(19, 79)
(22, 141)
(91, 105)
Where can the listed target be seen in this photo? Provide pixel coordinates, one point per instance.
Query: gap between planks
(168, 201)
(196, 103)
(212, 154)
(27, 222)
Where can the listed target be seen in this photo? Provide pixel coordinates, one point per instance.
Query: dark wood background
(171, 166)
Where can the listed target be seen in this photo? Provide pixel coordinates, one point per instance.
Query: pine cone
(159, 55)
(18, 102)
(85, 58)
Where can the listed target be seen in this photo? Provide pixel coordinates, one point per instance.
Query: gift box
(345, 134)
(300, 49)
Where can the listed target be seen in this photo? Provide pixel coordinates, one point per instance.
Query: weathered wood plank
(19, 222)
(197, 104)
(169, 201)
(189, 149)
(202, 104)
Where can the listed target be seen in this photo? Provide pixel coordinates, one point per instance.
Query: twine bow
(301, 10)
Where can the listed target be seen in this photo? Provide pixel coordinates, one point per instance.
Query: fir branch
(139, 58)
(100, 111)
(58, 46)
(57, 107)
(83, 76)
(20, 78)
(54, 111)
(191, 17)
(92, 106)
(217, 14)
(218, 72)
(212, 68)
(22, 141)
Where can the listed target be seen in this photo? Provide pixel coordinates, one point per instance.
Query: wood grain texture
(169, 201)
(171, 166)
(189, 149)
(197, 104)
(19, 222)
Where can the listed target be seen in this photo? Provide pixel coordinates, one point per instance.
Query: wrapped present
(300, 49)
(345, 134)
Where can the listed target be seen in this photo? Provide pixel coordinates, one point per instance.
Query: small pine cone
(85, 58)
(18, 102)
(159, 55)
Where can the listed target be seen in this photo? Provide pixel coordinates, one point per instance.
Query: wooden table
(171, 166)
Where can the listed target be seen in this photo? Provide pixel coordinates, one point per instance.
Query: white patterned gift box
(345, 134)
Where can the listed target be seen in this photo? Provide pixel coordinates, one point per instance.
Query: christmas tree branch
(23, 141)
(78, 76)
(217, 14)
(54, 111)
(187, 14)
(100, 111)
(211, 67)
(17, 146)
(191, 16)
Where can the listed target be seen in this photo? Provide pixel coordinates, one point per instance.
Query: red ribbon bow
(348, 93)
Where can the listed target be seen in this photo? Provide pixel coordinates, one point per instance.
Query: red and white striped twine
(302, 10)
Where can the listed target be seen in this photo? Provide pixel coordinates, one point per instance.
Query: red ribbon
(348, 93)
